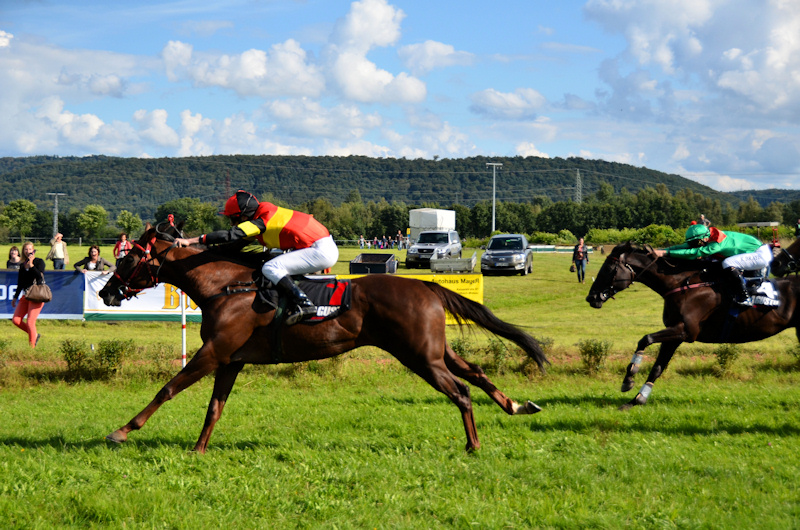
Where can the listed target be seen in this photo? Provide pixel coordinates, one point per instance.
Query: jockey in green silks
(738, 251)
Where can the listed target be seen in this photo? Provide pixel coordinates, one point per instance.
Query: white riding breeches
(751, 261)
(321, 255)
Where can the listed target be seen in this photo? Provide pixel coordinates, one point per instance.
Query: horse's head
(786, 260)
(618, 272)
(139, 269)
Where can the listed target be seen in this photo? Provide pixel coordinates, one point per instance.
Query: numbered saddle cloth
(764, 294)
(331, 296)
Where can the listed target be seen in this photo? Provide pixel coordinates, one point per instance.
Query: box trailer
(423, 219)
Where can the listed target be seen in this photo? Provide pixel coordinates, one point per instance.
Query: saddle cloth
(331, 296)
(763, 293)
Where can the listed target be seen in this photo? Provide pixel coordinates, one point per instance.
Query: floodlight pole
(55, 212)
(494, 187)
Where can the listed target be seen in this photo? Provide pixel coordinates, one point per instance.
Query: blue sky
(701, 88)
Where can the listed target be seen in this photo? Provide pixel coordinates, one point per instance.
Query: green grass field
(363, 443)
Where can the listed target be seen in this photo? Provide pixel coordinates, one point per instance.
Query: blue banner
(67, 288)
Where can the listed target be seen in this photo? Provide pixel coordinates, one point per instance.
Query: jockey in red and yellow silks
(313, 248)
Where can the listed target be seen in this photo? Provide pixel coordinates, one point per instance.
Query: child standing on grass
(31, 270)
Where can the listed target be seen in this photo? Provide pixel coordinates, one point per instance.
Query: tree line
(606, 209)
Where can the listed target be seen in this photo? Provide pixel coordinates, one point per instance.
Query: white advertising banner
(162, 302)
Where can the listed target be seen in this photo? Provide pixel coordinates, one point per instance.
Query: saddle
(331, 296)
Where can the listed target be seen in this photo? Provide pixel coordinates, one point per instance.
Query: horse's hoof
(117, 437)
(627, 384)
(532, 408)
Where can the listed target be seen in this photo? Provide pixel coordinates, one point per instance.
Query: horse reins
(126, 290)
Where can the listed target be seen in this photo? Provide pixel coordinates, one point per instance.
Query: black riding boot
(737, 285)
(303, 307)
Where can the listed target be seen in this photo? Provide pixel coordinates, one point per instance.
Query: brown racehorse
(403, 316)
(696, 307)
(786, 260)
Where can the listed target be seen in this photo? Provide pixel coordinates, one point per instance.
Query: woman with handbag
(31, 272)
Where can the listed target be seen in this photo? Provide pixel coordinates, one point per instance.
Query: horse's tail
(465, 309)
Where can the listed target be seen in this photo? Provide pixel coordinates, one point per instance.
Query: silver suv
(445, 243)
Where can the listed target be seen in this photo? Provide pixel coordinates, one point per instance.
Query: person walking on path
(580, 257)
(31, 271)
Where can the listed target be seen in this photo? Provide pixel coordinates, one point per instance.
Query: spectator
(580, 257)
(14, 261)
(703, 221)
(58, 252)
(122, 247)
(399, 240)
(93, 262)
(797, 229)
(361, 242)
(31, 270)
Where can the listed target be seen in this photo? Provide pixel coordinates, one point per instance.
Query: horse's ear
(179, 226)
(146, 234)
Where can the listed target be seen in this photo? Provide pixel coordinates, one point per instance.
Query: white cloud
(153, 127)
(284, 70)
(430, 55)
(528, 149)
(5, 39)
(369, 23)
(521, 104)
(305, 117)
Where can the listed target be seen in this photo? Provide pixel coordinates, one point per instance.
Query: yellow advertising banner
(467, 285)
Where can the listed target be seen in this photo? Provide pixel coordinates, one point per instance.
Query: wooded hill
(141, 185)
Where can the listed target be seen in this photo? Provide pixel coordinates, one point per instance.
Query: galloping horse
(403, 316)
(696, 307)
(786, 260)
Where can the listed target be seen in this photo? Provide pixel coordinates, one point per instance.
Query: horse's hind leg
(440, 378)
(474, 375)
(201, 365)
(223, 383)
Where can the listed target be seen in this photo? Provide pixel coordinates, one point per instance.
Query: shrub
(110, 354)
(726, 356)
(594, 353)
(794, 351)
(83, 362)
(658, 236)
(499, 355)
(76, 354)
(463, 347)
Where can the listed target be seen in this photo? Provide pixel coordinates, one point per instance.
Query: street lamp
(494, 186)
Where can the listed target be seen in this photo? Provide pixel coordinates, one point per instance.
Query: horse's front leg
(675, 333)
(664, 357)
(202, 364)
(223, 383)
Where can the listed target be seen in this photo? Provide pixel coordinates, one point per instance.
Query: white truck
(430, 219)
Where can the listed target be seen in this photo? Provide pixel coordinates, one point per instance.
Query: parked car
(445, 243)
(508, 253)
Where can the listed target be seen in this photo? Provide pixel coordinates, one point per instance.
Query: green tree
(130, 223)
(19, 217)
(203, 218)
(93, 221)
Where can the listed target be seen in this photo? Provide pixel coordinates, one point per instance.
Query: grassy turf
(363, 443)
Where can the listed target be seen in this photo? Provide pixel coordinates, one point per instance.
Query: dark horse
(696, 307)
(786, 260)
(403, 316)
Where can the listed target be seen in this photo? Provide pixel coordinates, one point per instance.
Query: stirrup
(300, 313)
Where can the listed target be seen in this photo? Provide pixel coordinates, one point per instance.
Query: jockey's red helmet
(242, 204)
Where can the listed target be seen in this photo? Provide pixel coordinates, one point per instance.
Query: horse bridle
(791, 266)
(609, 292)
(146, 260)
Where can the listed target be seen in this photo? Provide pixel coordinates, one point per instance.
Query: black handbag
(572, 268)
(38, 292)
